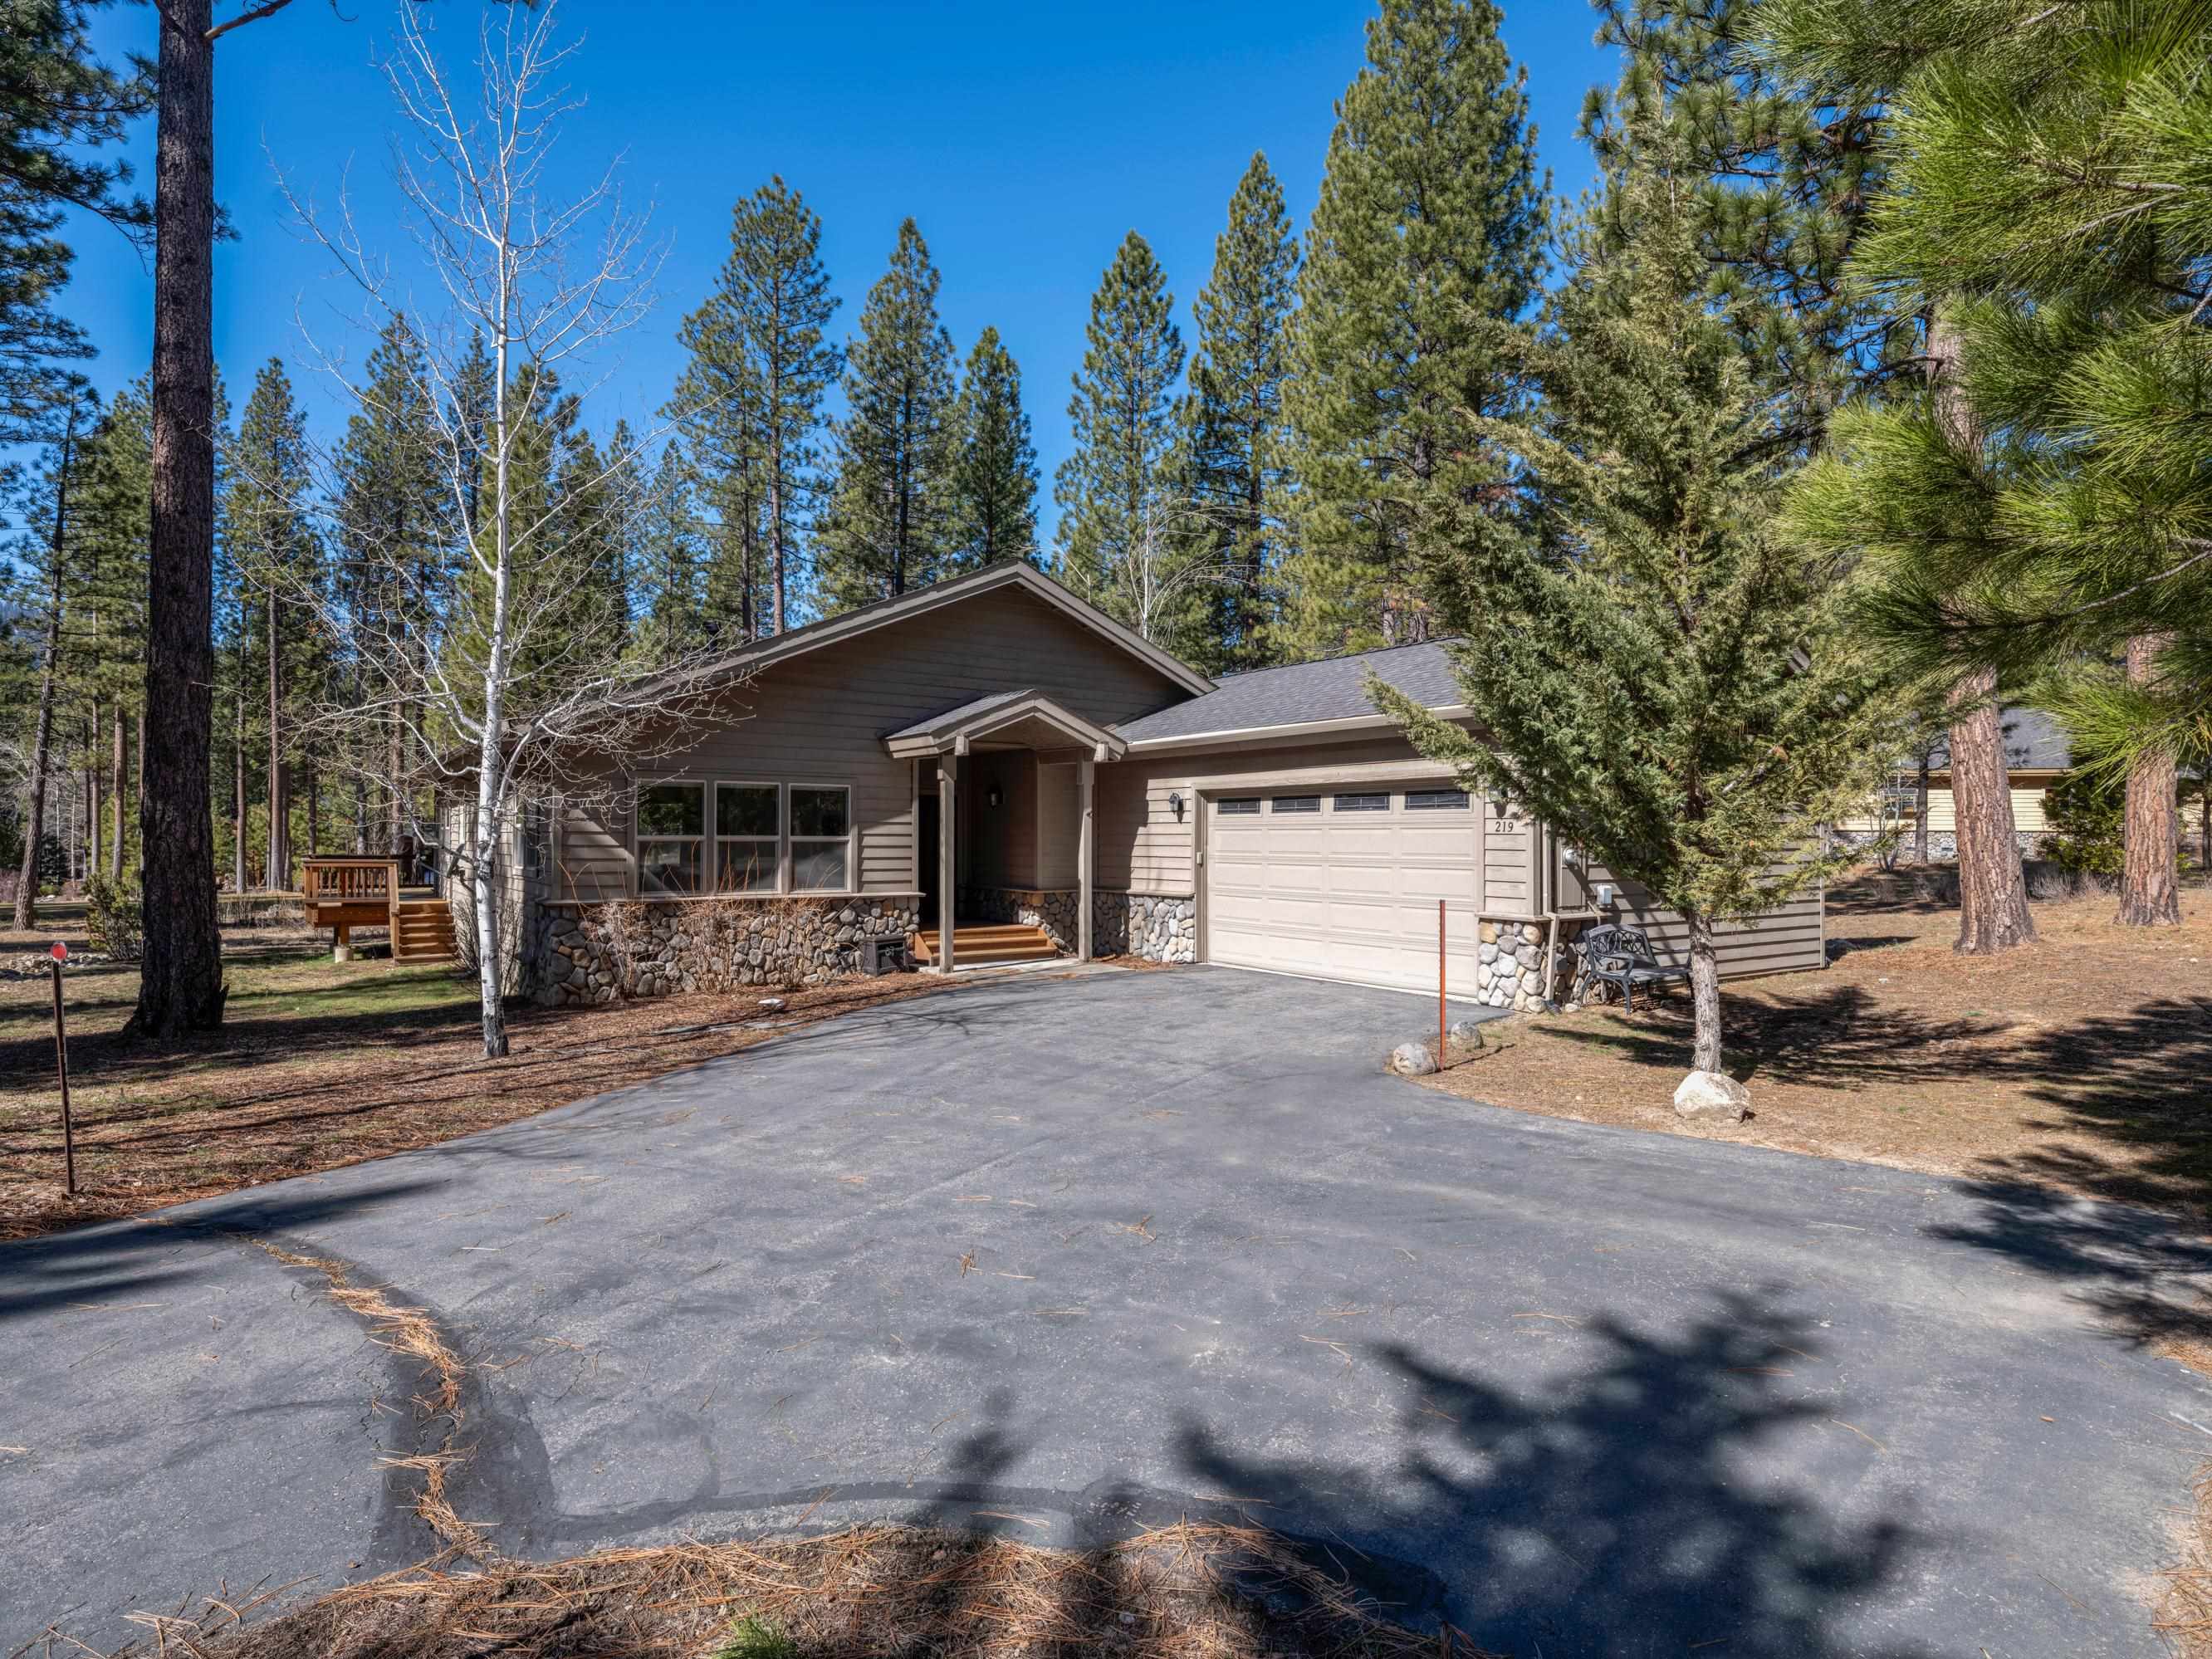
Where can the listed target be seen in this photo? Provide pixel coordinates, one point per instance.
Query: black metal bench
(1608, 954)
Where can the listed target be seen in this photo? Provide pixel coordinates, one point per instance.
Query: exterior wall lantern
(1175, 803)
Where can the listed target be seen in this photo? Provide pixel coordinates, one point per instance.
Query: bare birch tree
(505, 677)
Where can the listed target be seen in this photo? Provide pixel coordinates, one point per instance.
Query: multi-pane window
(1238, 806)
(1297, 803)
(671, 824)
(1362, 803)
(821, 838)
(1449, 800)
(748, 837)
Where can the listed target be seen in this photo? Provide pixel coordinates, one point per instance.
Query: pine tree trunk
(237, 784)
(2150, 887)
(34, 824)
(91, 759)
(115, 796)
(1993, 913)
(314, 811)
(278, 871)
(1705, 995)
(393, 756)
(180, 986)
(1920, 811)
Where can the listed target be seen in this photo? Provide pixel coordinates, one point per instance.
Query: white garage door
(1343, 883)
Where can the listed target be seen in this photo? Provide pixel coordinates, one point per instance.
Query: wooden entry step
(423, 931)
(975, 944)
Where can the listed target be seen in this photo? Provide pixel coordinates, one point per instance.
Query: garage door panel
(1345, 895)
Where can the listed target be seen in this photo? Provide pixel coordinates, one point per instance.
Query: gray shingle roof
(2035, 741)
(1331, 690)
(964, 711)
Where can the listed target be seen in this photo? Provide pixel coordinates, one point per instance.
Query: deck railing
(349, 880)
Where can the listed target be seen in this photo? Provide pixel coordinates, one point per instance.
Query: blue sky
(1025, 140)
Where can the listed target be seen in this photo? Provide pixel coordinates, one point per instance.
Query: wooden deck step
(423, 931)
(976, 945)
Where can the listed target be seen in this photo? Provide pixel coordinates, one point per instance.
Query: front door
(926, 844)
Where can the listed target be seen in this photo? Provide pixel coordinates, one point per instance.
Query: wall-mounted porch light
(991, 796)
(1175, 803)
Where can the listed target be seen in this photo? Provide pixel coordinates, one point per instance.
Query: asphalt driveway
(1068, 1257)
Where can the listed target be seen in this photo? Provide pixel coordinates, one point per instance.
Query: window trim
(715, 837)
(638, 842)
(708, 841)
(1436, 803)
(1238, 806)
(851, 839)
(1299, 809)
(1369, 800)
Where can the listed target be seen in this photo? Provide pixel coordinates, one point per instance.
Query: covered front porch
(1006, 841)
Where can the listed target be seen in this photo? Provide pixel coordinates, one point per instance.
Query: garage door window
(1239, 807)
(1434, 800)
(1297, 803)
(1362, 803)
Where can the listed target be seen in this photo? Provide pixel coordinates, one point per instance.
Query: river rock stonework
(1509, 970)
(596, 952)
(1157, 927)
(1055, 910)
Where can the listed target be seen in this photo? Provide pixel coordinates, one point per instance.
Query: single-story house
(993, 770)
(2037, 752)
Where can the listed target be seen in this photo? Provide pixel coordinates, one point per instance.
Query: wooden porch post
(948, 890)
(1086, 855)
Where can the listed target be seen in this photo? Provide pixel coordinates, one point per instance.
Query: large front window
(748, 846)
(736, 835)
(671, 821)
(821, 838)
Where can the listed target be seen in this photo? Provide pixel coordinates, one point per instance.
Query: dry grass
(2077, 1063)
(320, 1064)
(1184, 1592)
(2184, 1617)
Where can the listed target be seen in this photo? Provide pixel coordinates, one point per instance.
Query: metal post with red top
(61, 1065)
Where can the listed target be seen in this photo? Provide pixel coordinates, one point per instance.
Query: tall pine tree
(268, 517)
(1653, 670)
(397, 528)
(1232, 420)
(1124, 512)
(2044, 506)
(669, 578)
(889, 525)
(750, 401)
(994, 470)
(1426, 244)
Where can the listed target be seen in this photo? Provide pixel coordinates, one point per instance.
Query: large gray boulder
(1412, 1060)
(1713, 1095)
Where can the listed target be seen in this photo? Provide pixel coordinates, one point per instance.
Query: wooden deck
(342, 894)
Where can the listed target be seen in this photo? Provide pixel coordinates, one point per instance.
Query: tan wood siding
(1002, 842)
(822, 717)
(1781, 941)
(1060, 825)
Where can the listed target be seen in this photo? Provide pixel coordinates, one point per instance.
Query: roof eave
(1292, 732)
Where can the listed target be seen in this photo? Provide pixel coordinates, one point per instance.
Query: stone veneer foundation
(1509, 971)
(596, 952)
(1159, 927)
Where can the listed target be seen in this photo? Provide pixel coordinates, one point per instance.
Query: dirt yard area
(318, 1064)
(2083, 1062)
(1184, 1592)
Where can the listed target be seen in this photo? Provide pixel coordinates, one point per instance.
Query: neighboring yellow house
(2037, 754)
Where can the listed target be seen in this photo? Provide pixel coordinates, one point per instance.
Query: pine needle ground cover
(1184, 1592)
(2078, 1063)
(318, 1064)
